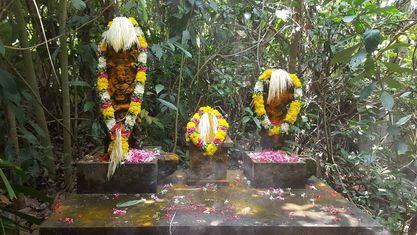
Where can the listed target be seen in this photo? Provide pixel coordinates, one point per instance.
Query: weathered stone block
(128, 178)
(207, 169)
(282, 175)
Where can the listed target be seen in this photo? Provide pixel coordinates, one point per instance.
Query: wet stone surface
(211, 209)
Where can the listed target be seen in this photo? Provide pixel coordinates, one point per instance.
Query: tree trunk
(66, 102)
(295, 43)
(33, 82)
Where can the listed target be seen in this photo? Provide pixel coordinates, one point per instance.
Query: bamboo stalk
(33, 82)
(66, 101)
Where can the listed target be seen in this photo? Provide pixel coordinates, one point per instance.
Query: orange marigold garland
(123, 130)
(293, 110)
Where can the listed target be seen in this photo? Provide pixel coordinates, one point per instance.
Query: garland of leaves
(293, 110)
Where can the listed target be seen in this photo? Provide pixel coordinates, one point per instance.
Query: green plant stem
(33, 82)
(178, 104)
(66, 101)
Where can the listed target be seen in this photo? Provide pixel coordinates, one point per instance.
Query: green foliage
(357, 62)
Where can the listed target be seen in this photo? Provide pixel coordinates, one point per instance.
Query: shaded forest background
(356, 59)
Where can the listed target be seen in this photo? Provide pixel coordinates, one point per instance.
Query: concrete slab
(234, 209)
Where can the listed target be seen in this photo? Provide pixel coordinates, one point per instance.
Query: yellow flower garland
(193, 136)
(259, 105)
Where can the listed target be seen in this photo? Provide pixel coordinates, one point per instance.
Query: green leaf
(387, 100)
(159, 88)
(27, 217)
(168, 104)
(2, 49)
(78, 83)
(6, 182)
(392, 83)
(393, 130)
(348, 19)
(372, 38)
(130, 203)
(257, 122)
(249, 110)
(78, 4)
(157, 50)
(31, 192)
(245, 119)
(344, 55)
(397, 45)
(397, 68)
(358, 58)
(144, 10)
(405, 94)
(367, 91)
(10, 165)
(403, 120)
(88, 106)
(188, 54)
(402, 148)
(185, 37)
(7, 82)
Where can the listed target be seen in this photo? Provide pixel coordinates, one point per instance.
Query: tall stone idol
(120, 84)
(277, 109)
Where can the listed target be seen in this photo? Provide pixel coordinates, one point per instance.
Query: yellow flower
(222, 122)
(194, 138)
(196, 116)
(109, 24)
(191, 124)
(295, 80)
(210, 150)
(273, 131)
(293, 112)
(142, 42)
(206, 109)
(135, 108)
(266, 75)
(215, 112)
(258, 103)
(102, 84)
(109, 112)
(134, 22)
(125, 145)
(141, 77)
(103, 47)
(221, 135)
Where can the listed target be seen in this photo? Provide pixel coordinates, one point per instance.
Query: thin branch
(46, 44)
(57, 37)
(35, 96)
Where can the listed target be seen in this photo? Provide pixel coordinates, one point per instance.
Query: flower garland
(293, 110)
(106, 104)
(194, 136)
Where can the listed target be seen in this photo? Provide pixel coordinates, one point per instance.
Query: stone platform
(235, 209)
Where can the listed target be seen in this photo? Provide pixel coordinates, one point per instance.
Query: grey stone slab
(234, 209)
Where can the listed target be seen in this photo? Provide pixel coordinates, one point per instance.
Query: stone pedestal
(128, 178)
(207, 169)
(275, 175)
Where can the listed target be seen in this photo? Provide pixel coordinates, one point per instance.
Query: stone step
(211, 209)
